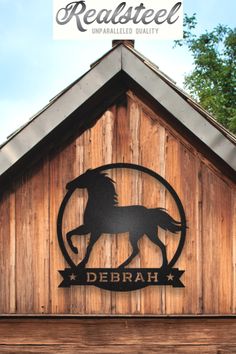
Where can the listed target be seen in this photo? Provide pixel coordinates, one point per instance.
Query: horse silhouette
(103, 215)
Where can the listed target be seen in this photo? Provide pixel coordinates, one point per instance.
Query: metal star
(72, 276)
(170, 277)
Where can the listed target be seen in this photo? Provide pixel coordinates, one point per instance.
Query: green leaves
(212, 81)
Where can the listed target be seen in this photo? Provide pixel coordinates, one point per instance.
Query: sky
(34, 67)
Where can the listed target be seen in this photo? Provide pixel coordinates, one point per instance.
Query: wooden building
(123, 110)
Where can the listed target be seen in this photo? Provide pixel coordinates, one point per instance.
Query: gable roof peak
(126, 42)
(120, 60)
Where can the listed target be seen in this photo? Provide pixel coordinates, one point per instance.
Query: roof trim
(121, 58)
(59, 109)
(186, 96)
(178, 107)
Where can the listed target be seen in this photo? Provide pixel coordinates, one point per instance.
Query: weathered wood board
(208, 336)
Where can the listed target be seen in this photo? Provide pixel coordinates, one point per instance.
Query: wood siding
(113, 336)
(127, 132)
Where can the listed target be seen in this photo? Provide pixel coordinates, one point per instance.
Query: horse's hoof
(121, 266)
(81, 265)
(164, 266)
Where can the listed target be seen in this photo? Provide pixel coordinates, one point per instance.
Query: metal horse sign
(103, 215)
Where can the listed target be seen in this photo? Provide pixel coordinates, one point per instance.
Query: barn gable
(122, 110)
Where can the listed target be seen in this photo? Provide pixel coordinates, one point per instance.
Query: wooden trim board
(176, 335)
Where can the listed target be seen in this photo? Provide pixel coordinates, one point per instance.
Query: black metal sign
(103, 215)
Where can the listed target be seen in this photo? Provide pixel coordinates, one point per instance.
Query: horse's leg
(79, 231)
(154, 238)
(134, 243)
(93, 238)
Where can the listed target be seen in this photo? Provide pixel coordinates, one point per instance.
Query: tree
(213, 79)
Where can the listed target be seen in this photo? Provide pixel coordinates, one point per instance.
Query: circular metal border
(132, 167)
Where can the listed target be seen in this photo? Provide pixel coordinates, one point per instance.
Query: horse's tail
(166, 222)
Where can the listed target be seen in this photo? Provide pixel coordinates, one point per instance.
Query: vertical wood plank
(41, 251)
(134, 112)
(96, 260)
(61, 172)
(123, 179)
(151, 150)
(108, 126)
(225, 249)
(114, 177)
(199, 236)
(174, 297)
(217, 244)
(12, 258)
(75, 215)
(233, 221)
(32, 242)
(87, 164)
(190, 260)
(24, 248)
(5, 252)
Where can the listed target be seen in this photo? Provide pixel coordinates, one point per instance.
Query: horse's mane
(104, 187)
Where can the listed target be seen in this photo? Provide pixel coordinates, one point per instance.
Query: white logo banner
(114, 19)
